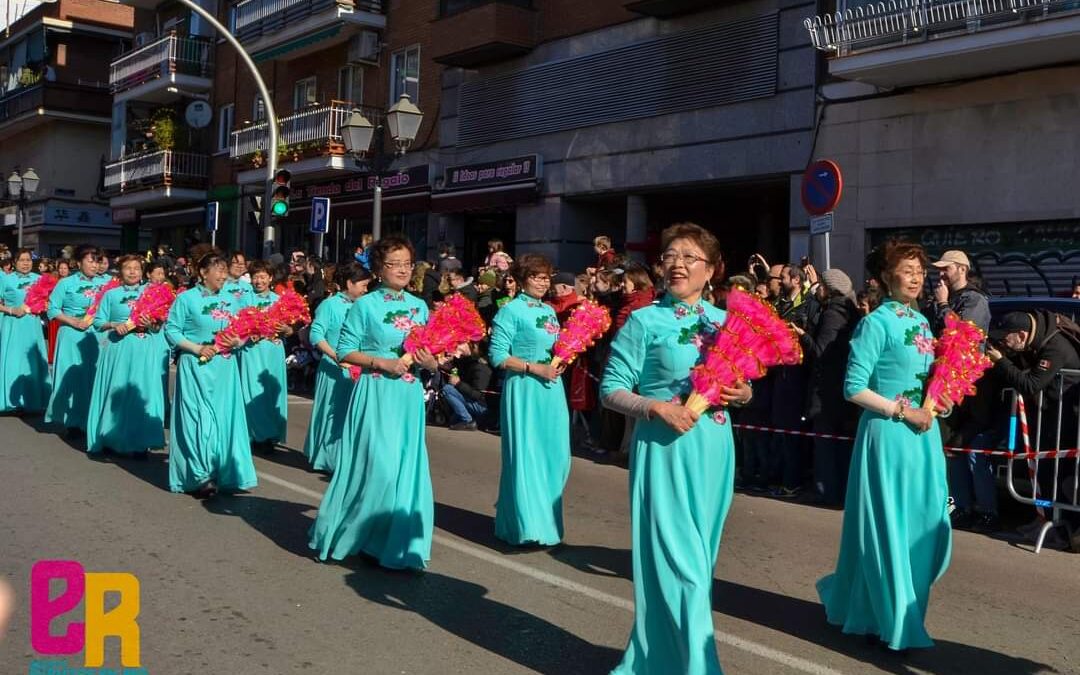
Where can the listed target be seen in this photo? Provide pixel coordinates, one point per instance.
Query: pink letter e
(43, 611)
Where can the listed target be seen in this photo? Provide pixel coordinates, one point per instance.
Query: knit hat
(836, 281)
(488, 278)
(564, 278)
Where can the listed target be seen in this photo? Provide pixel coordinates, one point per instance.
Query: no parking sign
(822, 185)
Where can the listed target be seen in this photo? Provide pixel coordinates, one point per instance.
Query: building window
(226, 115)
(232, 19)
(350, 84)
(405, 74)
(304, 93)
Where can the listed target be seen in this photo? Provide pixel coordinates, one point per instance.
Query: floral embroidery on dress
(86, 291)
(408, 377)
(924, 344)
(548, 324)
(401, 320)
(391, 296)
(719, 417)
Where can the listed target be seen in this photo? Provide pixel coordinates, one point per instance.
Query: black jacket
(969, 303)
(475, 374)
(826, 346)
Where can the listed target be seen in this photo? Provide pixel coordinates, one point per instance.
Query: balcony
(26, 107)
(289, 29)
(483, 32)
(668, 8)
(173, 62)
(156, 179)
(911, 42)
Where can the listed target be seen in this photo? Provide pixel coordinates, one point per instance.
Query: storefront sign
(69, 215)
(504, 172)
(416, 178)
(124, 215)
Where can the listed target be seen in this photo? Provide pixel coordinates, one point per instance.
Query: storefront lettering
(511, 170)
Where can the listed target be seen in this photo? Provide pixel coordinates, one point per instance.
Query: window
(350, 84)
(232, 20)
(405, 74)
(258, 109)
(304, 93)
(226, 115)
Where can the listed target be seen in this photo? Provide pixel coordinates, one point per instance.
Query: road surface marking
(755, 648)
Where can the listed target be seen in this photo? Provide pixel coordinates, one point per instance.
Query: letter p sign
(118, 622)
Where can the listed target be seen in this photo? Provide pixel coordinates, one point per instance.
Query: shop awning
(484, 198)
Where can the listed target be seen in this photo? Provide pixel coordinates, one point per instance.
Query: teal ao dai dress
(333, 387)
(208, 429)
(241, 291)
(263, 380)
(535, 427)
(681, 488)
(896, 539)
(25, 381)
(379, 501)
(127, 404)
(75, 363)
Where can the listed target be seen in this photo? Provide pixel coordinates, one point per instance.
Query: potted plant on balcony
(163, 128)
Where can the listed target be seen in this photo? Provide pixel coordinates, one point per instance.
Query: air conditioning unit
(364, 48)
(143, 39)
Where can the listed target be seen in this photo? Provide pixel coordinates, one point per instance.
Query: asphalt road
(228, 585)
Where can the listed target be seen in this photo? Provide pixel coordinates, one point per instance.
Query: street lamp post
(22, 188)
(403, 120)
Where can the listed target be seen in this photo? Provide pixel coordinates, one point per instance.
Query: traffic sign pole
(822, 186)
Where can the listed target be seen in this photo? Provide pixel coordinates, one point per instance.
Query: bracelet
(899, 416)
(526, 367)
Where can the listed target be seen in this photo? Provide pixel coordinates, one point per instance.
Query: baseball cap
(1010, 323)
(564, 278)
(953, 258)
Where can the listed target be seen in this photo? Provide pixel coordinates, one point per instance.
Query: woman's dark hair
(886, 257)
(381, 249)
(495, 244)
(351, 271)
(233, 255)
(530, 265)
(65, 262)
(129, 257)
(258, 266)
(211, 259)
(87, 249)
(157, 264)
(638, 275)
(21, 251)
(705, 240)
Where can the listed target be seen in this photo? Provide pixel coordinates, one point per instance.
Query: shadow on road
(463, 608)
(284, 523)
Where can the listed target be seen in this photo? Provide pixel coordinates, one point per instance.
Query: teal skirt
(74, 367)
(208, 431)
(333, 390)
(25, 381)
(127, 405)
(263, 383)
(379, 501)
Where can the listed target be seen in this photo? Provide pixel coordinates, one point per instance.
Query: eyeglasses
(399, 265)
(688, 259)
(540, 278)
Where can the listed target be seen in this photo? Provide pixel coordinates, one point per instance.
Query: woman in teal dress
(681, 467)
(77, 342)
(235, 284)
(896, 540)
(209, 447)
(534, 419)
(379, 501)
(24, 368)
(127, 404)
(333, 383)
(262, 371)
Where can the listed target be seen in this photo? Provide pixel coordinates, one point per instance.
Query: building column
(637, 218)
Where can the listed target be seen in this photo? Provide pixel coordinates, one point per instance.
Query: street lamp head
(357, 133)
(404, 120)
(14, 185)
(30, 182)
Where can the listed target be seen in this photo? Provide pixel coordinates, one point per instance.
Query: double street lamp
(403, 122)
(20, 189)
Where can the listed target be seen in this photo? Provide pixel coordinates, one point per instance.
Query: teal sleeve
(627, 358)
(866, 347)
(319, 326)
(104, 310)
(174, 324)
(351, 331)
(56, 300)
(503, 330)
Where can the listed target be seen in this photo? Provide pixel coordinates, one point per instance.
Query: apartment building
(54, 118)
(955, 126)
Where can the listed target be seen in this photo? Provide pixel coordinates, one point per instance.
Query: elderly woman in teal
(534, 418)
(333, 383)
(24, 368)
(263, 379)
(76, 342)
(681, 467)
(896, 539)
(379, 502)
(208, 446)
(127, 405)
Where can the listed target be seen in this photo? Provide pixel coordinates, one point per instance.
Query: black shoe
(205, 491)
(786, 493)
(962, 520)
(985, 523)
(463, 426)
(74, 432)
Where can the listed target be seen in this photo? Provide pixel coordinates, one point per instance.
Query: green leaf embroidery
(910, 333)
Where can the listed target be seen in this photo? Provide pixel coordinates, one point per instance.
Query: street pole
(19, 220)
(271, 119)
(319, 245)
(376, 211)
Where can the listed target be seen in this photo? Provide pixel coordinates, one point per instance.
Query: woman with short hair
(24, 368)
(263, 380)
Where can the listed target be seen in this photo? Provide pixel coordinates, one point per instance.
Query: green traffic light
(279, 208)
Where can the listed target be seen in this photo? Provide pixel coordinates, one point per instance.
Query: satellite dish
(198, 114)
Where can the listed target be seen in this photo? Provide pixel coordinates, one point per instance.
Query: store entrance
(482, 227)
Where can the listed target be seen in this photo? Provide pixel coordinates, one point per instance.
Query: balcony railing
(171, 54)
(21, 100)
(164, 167)
(81, 97)
(317, 126)
(903, 21)
(276, 14)
(451, 7)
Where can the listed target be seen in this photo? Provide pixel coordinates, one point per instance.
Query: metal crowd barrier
(1063, 495)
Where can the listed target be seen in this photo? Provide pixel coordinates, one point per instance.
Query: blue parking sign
(211, 216)
(320, 215)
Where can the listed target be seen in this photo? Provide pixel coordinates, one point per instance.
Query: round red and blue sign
(822, 185)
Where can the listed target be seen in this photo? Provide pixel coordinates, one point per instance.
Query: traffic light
(279, 198)
(255, 208)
